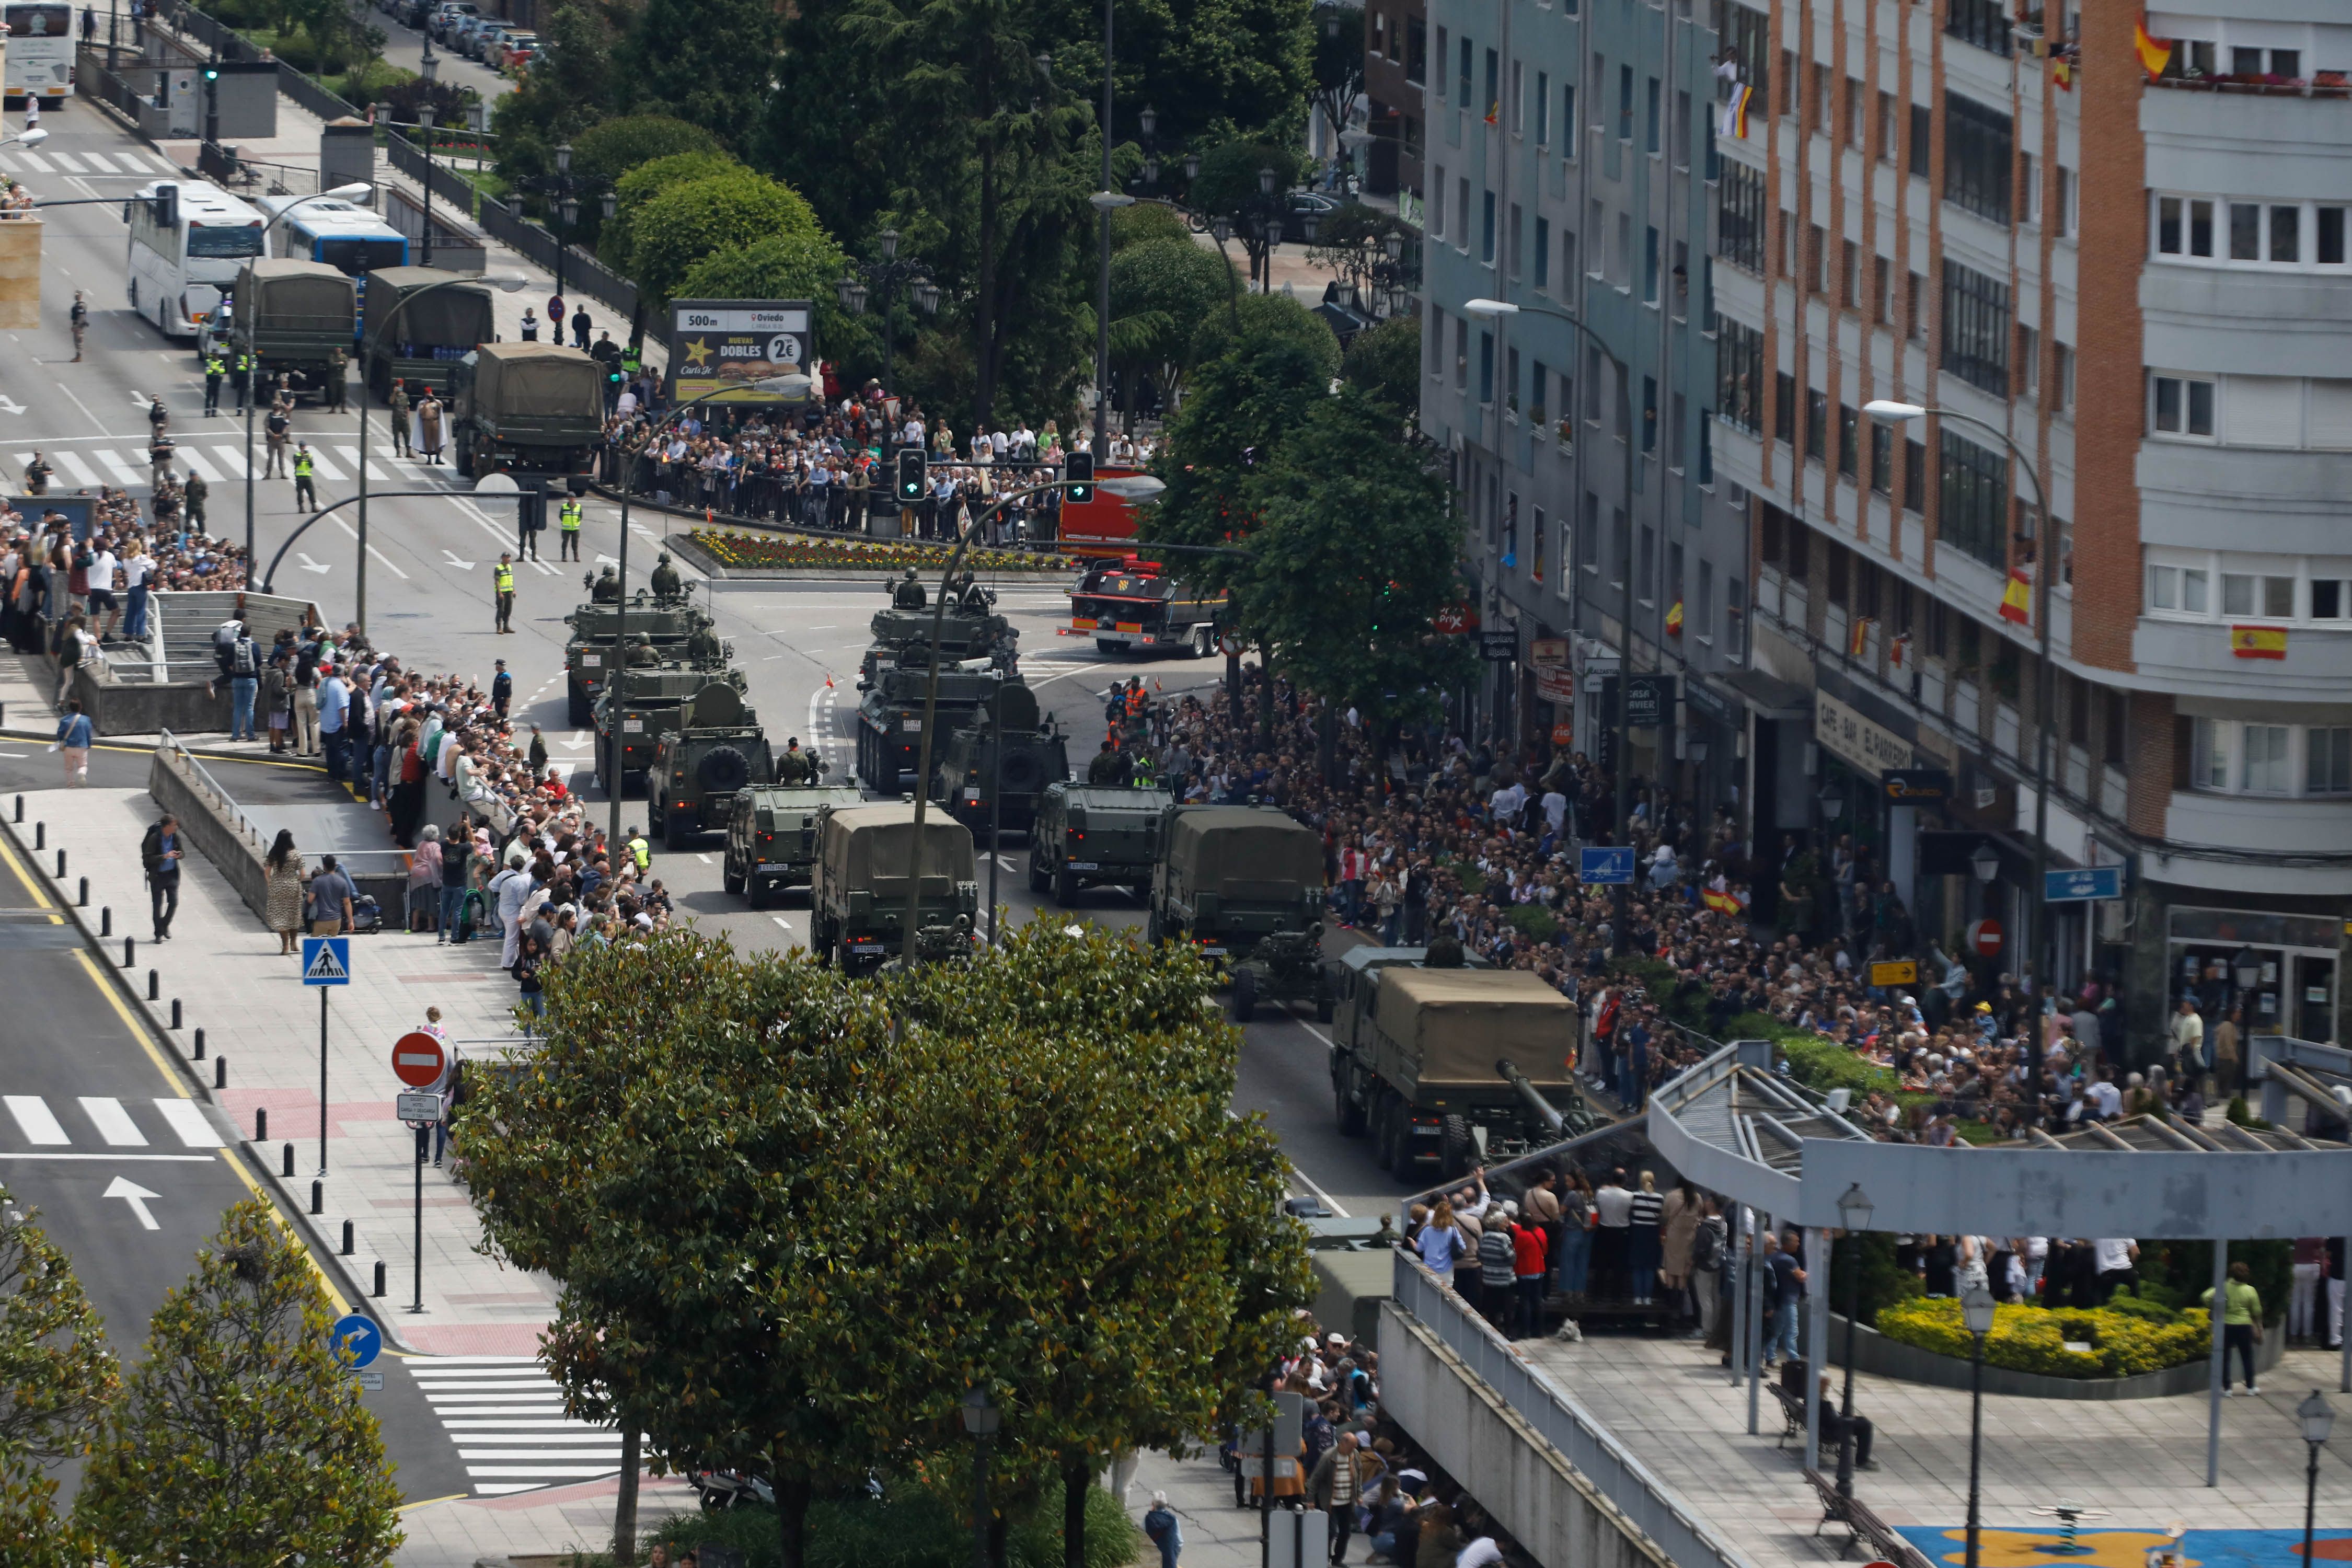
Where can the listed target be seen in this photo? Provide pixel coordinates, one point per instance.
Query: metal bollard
(220, 1072)
(379, 1278)
(350, 1238)
(286, 1160)
(20, 808)
(40, 836)
(81, 895)
(130, 950)
(261, 1132)
(176, 1012)
(318, 1197)
(105, 919)
(154, 986)
(200, 1045)
(61, 863)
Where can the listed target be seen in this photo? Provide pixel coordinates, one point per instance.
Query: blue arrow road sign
(355, 1336)
(2086, 886)
(326, 961)
(1605, 864)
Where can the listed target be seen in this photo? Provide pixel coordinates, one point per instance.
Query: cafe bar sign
(1846, 734)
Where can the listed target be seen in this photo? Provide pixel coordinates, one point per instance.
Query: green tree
(614, 148)
(707, 62)
(55, 1377)
(1145, 222)
(616, 243)
(792, 266)
(1339, 61)
(1268, 316)
(1161, 291)
(569, 88)
(1384, 363)
(238, 1441)
(1214, 69)
(682, 224)
(1231, 185)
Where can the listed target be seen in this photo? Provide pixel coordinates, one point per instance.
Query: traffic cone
(828, 683)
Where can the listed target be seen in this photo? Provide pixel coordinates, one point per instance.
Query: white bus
(187, 241)
(41, 50)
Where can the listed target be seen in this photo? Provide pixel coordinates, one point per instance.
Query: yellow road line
(334, 1292)
(32, 883)
(428, 1502)
(132, 1021)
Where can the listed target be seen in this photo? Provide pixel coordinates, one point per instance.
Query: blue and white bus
(352, 239)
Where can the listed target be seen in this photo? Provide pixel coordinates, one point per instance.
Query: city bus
(352, 239)
(187, 241)
(41, 50)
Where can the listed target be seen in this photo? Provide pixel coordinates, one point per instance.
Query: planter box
(1874, 1353)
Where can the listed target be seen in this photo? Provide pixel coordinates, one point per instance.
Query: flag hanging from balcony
(2062, 71)
(1898, 652)
(1493, 111)
(1858, 640)
(2017, 599)
(2154, 53)
(2258, 642)
(1675, 619)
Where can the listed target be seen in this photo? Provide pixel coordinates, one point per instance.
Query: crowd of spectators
(105, 576)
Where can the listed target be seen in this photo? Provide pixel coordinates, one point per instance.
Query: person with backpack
(240, 664)
(160, 854)
(329, 905)
(72, 646)
(75, 734)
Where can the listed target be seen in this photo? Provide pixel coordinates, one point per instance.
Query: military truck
(635, 710)
(712, 749)
(1449, 1068)
(1230, 875)
(420, 343)
(526, 408)
(890, 722)
(985, 781)
(299, 313)
(857, 902)
(772, 838)
(1094, 835)
(666, 624)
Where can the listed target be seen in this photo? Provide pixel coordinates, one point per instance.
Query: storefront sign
(1563, 734)
(1555, 685)
(1648, 700)
(1917, 786)
(1846, 734)
(1498, 648)
(722, 346)
(1454, 618)
(2088, 885)
(1706, 699)
(1548, 653)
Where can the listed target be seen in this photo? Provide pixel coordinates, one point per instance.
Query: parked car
(462, 33)
(446, 20)
(486, 43)
(520, 47)
(1302, 202)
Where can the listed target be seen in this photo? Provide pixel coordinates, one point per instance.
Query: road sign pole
(325, 992)
(418, 1304)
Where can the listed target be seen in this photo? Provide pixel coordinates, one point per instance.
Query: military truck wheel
(1383, 1119)
(1065, 888)
(1038, 880)
(820, 944)
(760, 891)
(1454, 1148)
(676, 834)
(1351, 1115)
(1244, 996)
(1104, 644)
(1202, 644)
(723, 770)
(579, 710)
(730, 881)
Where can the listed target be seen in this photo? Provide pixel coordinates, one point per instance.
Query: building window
(1624, 103)
(1517, 234)
(1437, 203)
(1817, 425)
(1739, 375)
(2069, 216)
(1493, 103)
(1462, 204)
(1568, 133)
(1784, 407)
(1920, 149)
(1416, 51)
(2245, 594)
(2029, 362)
(1649, 413)
(1543, 109)
(1650, 266)
(1462, 77)
(1518, 98)
(1984, 23)
(1975, 500)
(1485, 367)
(1486, 228)
(2063, 369)
(1461, 353)
(1740, 216)
(1511, 379)
(1978, 153)
(1848, 429)
(1882, 457)
(2327, 762)
(1677, 410)
(1914, 320)
(1889, 129)
(1882, 273)
(1536, 566)
(2209, 755)
(2266, 759)
(2186, 590)
(1976, 328)
(1543, 253)
(1815, 242)
(1914, 476)
(2180, 406)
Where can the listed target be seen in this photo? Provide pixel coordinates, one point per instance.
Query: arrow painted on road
(608, 561)
(140, 399)
(451, 556)
(132, 1192)
(308, 564)
(577, 743)
(10, 406)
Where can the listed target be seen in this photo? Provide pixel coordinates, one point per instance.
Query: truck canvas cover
(447, 318)
(790, 808)
(1243, 854)
(304, 297)
(535, 386)
(1456, 1023)
(866, 846)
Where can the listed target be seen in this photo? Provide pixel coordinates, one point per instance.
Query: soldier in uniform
(641, 652)
(909, 595)
(400, 447)
(667, 582)
(1106, 767)
(702, 647)
(795, 767)
(606, 589)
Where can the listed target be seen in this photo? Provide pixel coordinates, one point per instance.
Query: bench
(1792, 1413)
(1862, 1525)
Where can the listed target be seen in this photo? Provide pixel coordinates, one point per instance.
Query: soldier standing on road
(276, 424)
(36, 476)
(78, 318)
(792, 767)
(568, 521)
(502, 590)
(306, 489)
(400, 447)
(338, 373)
(536, 755)
(195, 494)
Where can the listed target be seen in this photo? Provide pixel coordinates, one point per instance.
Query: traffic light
(911, 475)
(212, 73)
(1078, 474)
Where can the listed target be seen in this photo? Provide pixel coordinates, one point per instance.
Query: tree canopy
(680, 225)
(704, 61)
(616, 146)
(1384, 363)
(56, 1376)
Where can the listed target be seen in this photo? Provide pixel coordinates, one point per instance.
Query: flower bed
(780, 552)
(2034, 1338)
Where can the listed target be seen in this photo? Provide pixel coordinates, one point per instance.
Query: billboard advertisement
(723, 346)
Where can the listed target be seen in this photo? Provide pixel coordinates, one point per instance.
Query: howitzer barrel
(1535, 1101)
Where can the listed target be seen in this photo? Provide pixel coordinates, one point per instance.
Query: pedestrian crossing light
(1078, 474)
(911, 475)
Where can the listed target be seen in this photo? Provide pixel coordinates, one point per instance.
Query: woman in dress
(283, 870)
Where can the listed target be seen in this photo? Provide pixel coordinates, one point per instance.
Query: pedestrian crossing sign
(326, 961)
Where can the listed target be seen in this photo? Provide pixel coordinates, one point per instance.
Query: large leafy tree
(1339, 61)
(55, 1377)
(1160, 290)
(238, 1442)
(792, 266)
(1231, 185)
(569, 88)
(681, 224)
(1384, 363)
(707, 62)
(1212, 69)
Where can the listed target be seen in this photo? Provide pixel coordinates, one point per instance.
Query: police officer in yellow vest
(502, 585)
(305, 489)
(568, 519)
(216, 367)
(242, 380)
(640, 851)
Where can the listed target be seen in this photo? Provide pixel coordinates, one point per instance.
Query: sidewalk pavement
(1201, 1494)
(532, 1527)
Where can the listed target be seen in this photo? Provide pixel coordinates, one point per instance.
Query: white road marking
(188, 1121)
(65, 160)
(125, 474)
(232, 458)
(113, 1122)
(188, 456)
(83, 474)
(34, 1119)
(36, 163)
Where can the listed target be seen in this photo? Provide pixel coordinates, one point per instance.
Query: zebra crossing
(127, 469)
(104, 1122)
(505, 1414)
(57, 161)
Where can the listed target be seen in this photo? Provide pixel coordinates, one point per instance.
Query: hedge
(912, 1527)
(2033, 1339)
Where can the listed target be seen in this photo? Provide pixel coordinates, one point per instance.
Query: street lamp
(1985, 861)
(1976, 1312)
(885, 276)
(1105, 201)
(981, 1421)
(1886, 411)
(2317, 1415)
(1854, 1213)
(1619, 925)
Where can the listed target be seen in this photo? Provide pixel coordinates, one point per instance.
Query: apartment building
(1396, 81)
(1569, 171)
(2120, 254)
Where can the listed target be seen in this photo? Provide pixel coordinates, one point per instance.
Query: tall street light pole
(1618, 936)
(1977, 1314)
(2317, 1416)
(981, 1420)
(1854, 1210)
(1886, 411)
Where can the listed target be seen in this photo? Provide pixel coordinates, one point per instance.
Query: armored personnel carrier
(890, 722)
(714, 751)
(632, 713)
(666, 623)
(997, 765)
(971, 635)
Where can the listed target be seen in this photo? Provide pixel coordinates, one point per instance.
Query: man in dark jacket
(160, 852)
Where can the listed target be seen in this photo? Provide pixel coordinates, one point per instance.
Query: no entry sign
(417, 1059)
(1984, 936)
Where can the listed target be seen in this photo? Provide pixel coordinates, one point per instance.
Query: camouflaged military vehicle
(998, 762)
(588, 656)
(772, 838)
(858, 904)
(632, 713)
(714, 749)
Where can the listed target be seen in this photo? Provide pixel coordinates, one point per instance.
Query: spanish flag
(2062, 71)
(2154, 53)
(1726, 902)
(1898, 652)
(1858, 640)
(1675, 619)
(1493, 111)
(2017, 599)
(2258, 642)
